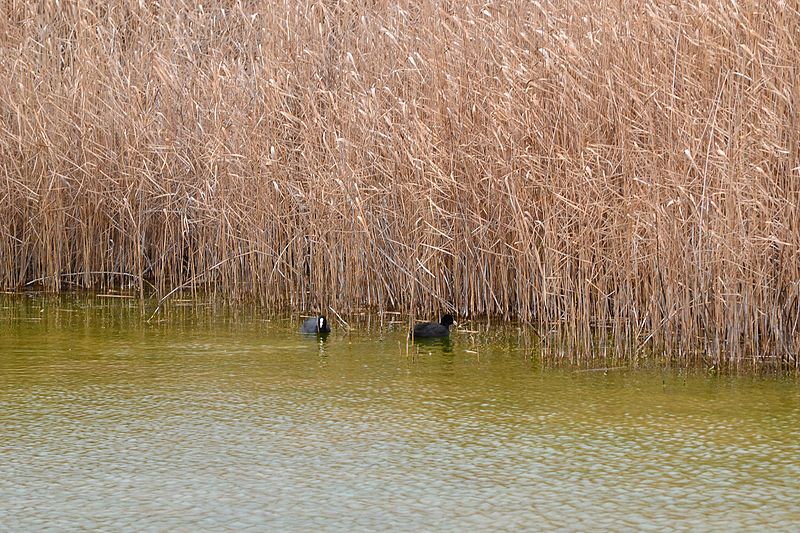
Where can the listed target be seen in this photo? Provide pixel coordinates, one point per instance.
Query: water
(209, 421)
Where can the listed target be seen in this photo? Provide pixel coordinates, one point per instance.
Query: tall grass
(623, 175)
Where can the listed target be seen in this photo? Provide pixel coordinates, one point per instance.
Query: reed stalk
(625, 175)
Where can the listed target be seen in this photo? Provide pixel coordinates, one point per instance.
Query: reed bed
(624, 176)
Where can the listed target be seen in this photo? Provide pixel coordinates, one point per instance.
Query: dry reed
(624, 175)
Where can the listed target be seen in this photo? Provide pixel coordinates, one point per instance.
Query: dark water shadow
(441, 345)
(320, 339)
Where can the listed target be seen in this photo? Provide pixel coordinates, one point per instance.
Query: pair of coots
(425, 330)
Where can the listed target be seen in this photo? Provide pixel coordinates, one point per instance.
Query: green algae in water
(214, 420)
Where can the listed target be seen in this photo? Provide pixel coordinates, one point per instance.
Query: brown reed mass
(617, 173)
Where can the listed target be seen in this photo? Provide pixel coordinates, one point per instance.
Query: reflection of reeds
(623, 170)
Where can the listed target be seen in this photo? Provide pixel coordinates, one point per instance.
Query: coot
(315, 324)
(432, 329)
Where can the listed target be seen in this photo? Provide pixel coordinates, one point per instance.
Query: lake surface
(209, 420)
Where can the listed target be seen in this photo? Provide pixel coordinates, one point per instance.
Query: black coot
(428, 330)
(315, 324)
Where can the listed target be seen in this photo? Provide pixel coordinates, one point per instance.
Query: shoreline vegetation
(615, 173)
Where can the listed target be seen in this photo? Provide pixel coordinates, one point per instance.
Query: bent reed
(622, 175)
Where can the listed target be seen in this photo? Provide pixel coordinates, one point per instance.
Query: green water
(208, 421)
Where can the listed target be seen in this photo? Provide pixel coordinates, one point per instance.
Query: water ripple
(253, 431)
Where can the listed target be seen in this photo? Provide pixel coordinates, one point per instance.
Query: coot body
(315, 324)
(427, 330)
